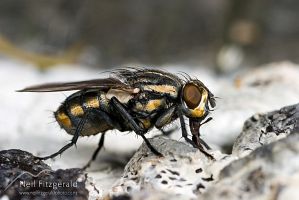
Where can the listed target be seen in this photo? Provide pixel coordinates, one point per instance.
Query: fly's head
(196, 100)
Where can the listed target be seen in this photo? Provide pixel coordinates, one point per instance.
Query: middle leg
(78, 130)
(132, 123)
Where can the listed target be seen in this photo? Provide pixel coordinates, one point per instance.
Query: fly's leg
(101, 142)
(195, 140)
(202, 141)
(195, 126)
(156, 152)
(198, 141)
(73, 141)
(95, 153)
(135, 127)
(184, 132)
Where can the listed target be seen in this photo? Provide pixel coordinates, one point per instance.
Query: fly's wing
(101, 84)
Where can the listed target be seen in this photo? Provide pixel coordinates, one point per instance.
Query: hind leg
(103, 116)
(78, 130)
(95, 153)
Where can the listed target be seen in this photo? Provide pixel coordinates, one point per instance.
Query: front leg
(185, 133)
(194, 127)
(132, 123)
(195, 141)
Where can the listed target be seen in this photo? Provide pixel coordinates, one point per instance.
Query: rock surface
(269, 172)
(24, 177)
(183, 171)
(261, 167)
(263, 129)
(264, 89)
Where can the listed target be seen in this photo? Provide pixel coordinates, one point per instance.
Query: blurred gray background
(220, 34)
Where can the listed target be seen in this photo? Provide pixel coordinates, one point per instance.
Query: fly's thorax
(153, 97)
(148, 105)
(145, 123)
(121, 95)
(142, 77)
(162, 90)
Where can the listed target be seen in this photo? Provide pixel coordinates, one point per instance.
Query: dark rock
(22, 176)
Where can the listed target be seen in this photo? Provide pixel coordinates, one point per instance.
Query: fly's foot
(200, 144)
(154, 151)
(86, 166)
(47, 157)
(157, 153)
(211, 157)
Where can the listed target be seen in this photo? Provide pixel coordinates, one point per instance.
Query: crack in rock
(263, 129)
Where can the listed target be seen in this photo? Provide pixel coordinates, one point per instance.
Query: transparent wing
(80, 85)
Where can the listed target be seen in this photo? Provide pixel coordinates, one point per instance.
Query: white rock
(269, 172)
(183, 170)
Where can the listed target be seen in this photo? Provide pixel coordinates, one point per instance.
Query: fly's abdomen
(87, 106)
(63, 119)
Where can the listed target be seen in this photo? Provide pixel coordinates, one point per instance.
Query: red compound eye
(192, 95)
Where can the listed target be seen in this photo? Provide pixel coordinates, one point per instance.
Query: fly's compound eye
(192, 95)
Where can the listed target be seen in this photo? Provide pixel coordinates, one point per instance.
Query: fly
(131, 99)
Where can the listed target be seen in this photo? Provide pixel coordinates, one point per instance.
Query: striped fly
(132, 99)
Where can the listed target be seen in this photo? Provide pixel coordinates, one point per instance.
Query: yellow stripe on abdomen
(76, 110)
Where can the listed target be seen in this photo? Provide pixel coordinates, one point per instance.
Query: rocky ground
(264, 165)
(258, 161)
